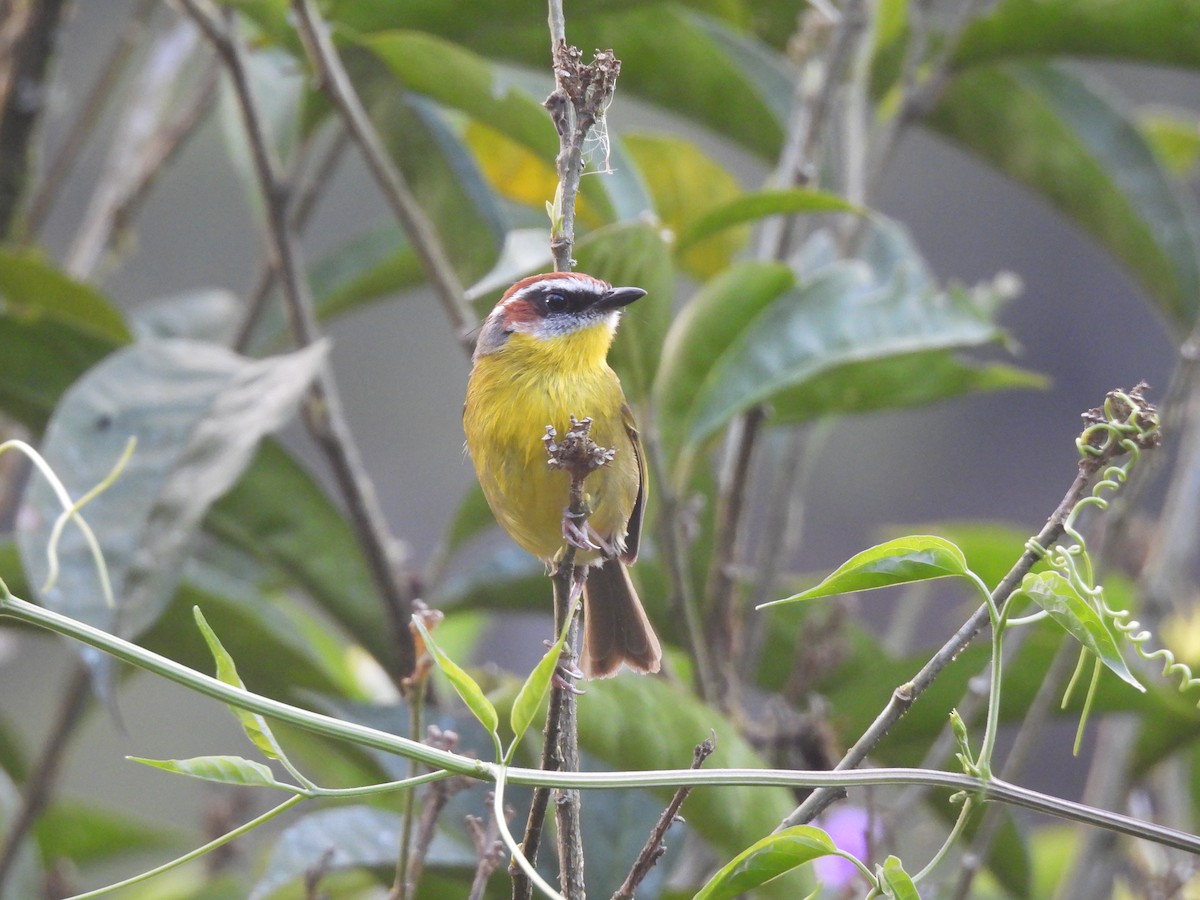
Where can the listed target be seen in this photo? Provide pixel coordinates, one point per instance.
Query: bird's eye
(556, 303)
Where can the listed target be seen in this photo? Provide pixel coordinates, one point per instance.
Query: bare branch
(655, 846)
(323, 413)
(337, 86)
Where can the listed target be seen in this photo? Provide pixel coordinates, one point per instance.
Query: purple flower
(848, 827)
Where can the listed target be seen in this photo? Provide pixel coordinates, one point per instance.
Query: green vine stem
(453, 763)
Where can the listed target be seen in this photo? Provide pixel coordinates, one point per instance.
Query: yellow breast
(512, 395)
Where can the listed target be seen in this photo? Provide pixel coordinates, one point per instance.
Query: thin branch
(437, 795)
(724, 633)
(304, 202)
(656, 846)
(579, 456)
(28, 31)
(1019, 754)
(906, 694)
(811, 107)
(337, 86)
(90, 110)
(488, 847)
(140, 145)
(39, 786)
(322, 410)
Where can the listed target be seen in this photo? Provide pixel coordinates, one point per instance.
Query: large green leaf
(738, 85)
(1155, 31)
(85, 834)
(197, 412)
(646, 723)
(855, 336)
(703, 333)
(1059, 132)
(686, 183)
(269, 638)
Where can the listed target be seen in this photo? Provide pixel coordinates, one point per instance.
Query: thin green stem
(951, 839)
(416, 705)
(514, 848)
(195, 854)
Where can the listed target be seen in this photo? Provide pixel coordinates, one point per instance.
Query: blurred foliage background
(1028, 240)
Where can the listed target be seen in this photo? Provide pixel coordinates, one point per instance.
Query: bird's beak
(618, 297)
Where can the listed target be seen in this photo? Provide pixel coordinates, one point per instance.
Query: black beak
(618, 297)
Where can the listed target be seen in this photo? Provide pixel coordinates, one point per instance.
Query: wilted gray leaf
(197, 412)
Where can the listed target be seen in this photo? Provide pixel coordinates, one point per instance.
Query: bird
(541, 358)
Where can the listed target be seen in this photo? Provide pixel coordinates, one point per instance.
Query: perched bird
(539, 359)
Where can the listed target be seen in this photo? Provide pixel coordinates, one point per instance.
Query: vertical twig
(303, 203)
(28, 30)
(40, 784)
(133, 153)
(323, 414)
(90, 109)
(723, 636)
(336, 84)
(578, 455)
(488, 847)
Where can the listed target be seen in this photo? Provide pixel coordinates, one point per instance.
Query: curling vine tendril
(1122, 428)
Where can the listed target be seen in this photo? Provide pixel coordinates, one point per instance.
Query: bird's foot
(575, 533)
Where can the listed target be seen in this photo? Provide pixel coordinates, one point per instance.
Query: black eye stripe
(558, 301)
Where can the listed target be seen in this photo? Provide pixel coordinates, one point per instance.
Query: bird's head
(554, 305)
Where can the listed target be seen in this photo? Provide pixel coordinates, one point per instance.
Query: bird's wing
(633, 532)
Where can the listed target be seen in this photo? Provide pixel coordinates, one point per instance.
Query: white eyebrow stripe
(566, 285)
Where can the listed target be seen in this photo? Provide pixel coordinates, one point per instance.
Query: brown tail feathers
(615, 627)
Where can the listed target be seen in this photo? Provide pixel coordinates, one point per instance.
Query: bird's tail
(615, 627)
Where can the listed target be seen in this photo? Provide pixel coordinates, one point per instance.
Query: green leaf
(445, 178)
(466, 686)
(253, 724)
(270, 638)
(533, 692)
(856, 336)
(1058, 597)
(1060, 133)
(686, 184)
(222, 769)
(348, 837)
(737, 86)
(87, 834)
(33, 288)
(197, 412)
(897, 882)
(1154, 31)
(918, 557)
(771, 857)
(703, 332)
(754, 206)
(279, 514)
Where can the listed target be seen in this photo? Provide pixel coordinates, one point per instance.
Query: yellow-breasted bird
(541, 357)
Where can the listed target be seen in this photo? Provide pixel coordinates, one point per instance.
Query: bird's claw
(575, 535)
